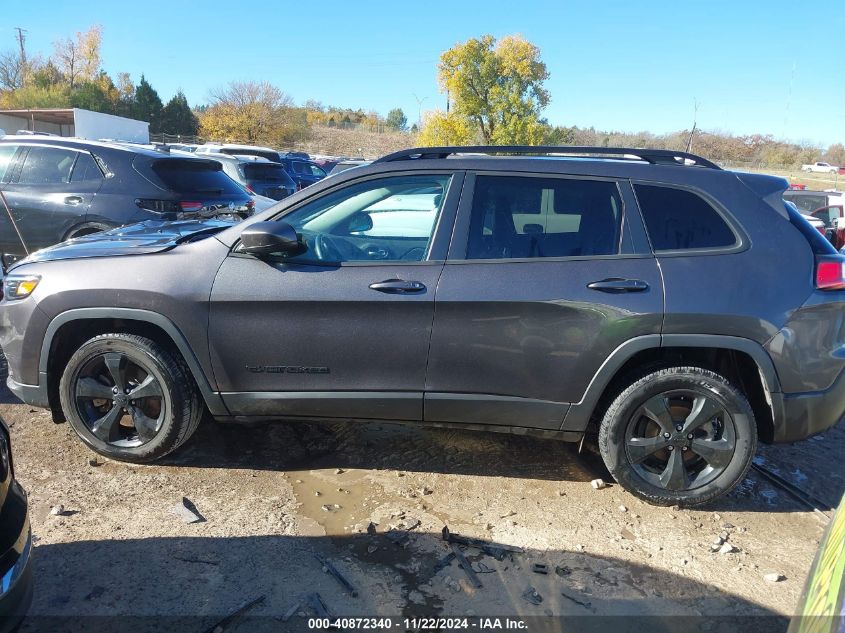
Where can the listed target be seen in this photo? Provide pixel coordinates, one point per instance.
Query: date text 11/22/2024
(422, 623)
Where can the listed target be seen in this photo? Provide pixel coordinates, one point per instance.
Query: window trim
(742, 241)
(441, 232)
(460, 235)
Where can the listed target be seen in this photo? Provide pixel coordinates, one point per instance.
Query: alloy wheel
(120, 400)
(680, 440)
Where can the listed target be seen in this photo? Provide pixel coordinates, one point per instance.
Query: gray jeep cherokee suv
(678, 311)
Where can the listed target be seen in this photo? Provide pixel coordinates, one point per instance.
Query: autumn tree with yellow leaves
(496, 94)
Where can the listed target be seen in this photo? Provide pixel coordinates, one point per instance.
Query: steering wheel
(326, 249)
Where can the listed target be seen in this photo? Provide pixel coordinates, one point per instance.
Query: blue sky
(637, 65)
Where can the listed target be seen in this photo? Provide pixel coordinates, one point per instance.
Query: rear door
(546, 276)
(10, 244)
(48, 198)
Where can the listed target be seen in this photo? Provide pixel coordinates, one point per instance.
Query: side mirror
(264, 238)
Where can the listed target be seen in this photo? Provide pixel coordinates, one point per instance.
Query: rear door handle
(617, 285)
(398, 286)
(73, 200)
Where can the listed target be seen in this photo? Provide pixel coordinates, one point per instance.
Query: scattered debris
(531, 595)
(371, 529)
(315, 601)
(464, 563)
(496, 550)
(317, 493)
(425, 490)
(371, 549)
(583, 603)
(727, 548)
(339, 471)
(579, 547)
(598, 484)
(627, 534)
(329, 567)
(623, 509)
(58, 510)
(229, 619)
(187, 511)
(728, 526)
(289, 613)
(443, 563)
(330, 507)
(540, 568)
(562, 571)
(774, 577)
(93, 462)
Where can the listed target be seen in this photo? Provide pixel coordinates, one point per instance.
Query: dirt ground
(276, 498)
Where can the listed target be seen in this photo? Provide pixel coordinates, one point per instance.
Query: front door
(342, 329)
(544, 281)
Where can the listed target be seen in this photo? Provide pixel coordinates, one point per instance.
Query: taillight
(830, 273)
(250, 189)
(190, 207)
(821, 229)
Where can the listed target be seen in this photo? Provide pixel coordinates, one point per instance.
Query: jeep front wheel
(129, 398)
(682, 435)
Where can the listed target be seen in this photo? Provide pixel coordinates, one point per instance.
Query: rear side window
(524, 217)
(46, 166)
(195, 176)
(263, 171)
(85, 169)
(681, 220)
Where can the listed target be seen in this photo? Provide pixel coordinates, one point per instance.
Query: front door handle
(617, 285)
(398, 286)
(73, 200)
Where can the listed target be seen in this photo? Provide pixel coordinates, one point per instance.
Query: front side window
(681, 220)
(524, 217)
(386, 219)
(46, 166)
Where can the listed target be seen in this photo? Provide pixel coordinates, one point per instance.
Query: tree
(79, 58)
(497, 87)
(147, 105)
(252, 112)
(835, 154)
(441, 128)
(397, 120)
(12, 70)
(178, 118)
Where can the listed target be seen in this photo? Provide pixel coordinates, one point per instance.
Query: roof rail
(652, 156)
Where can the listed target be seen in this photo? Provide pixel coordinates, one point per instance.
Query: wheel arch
(741, 360)
(70, 329)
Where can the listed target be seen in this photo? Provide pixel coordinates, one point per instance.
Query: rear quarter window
(195, 176)
(677, 219)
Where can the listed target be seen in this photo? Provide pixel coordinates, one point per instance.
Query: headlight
(19, 286)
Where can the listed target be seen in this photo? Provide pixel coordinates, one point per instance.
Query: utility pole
(21, 42)
(694, 124)
(419, 108)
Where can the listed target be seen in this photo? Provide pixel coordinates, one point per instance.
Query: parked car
(808, 200)
(60, 188)
(304, 172)
(258, 175)
(233, 149)
(820, 167)
(575, 296)
(299, 167)
(348, 164)
(15, 541)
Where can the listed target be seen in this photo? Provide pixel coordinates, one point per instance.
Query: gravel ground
(274, 498)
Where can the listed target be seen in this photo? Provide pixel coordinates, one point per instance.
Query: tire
(86, 229)
(702, 413)
(166, 409)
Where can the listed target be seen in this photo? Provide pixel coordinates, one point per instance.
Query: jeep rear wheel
(682, 435)
(129, 398)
